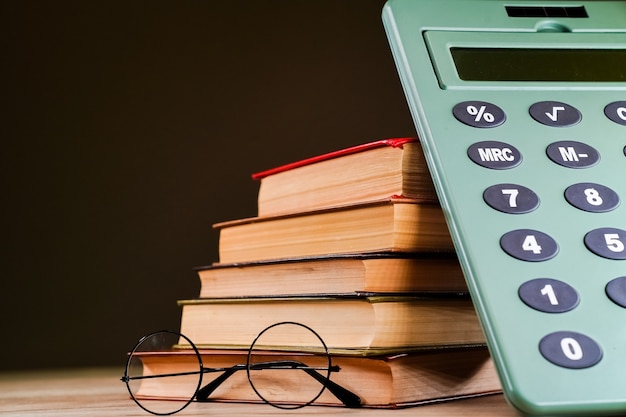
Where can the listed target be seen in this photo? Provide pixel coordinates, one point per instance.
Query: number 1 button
(548, 295)
(529, 245)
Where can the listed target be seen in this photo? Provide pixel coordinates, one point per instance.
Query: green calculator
(521, 110)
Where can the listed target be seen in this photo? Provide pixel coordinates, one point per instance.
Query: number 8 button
(594, 198)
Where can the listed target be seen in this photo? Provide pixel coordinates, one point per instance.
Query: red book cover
(394, 142)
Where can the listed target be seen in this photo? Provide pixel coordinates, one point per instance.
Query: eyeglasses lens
(162, 379)
(283, 379)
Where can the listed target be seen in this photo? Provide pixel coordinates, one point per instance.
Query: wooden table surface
(99, 392)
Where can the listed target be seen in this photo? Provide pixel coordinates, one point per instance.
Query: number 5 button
(607, 242)
(529, 245)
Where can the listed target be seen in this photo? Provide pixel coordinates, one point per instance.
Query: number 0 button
(548, 295)
(529, 245)
(570, 350)
(607, 242)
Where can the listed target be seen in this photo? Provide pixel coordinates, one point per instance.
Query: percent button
(479, 114)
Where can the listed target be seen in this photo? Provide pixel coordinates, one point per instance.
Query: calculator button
(494, 155)
(479, 114)
(555, 113)
(511, 198)
(607, 242)
(616, 112)
(592, 197)
(529, 245)
(548, 295)
(572, 154)
(570, 350)
(616, 291)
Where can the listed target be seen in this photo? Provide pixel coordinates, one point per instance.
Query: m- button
(494, 155)
(572, 154)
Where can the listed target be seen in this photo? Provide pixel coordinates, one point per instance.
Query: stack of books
(354, 245)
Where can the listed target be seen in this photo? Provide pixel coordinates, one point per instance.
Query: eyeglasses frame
(348, 398)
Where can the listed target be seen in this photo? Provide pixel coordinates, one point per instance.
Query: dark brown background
(130, 127)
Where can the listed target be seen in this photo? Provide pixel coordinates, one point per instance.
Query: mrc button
(494, 155)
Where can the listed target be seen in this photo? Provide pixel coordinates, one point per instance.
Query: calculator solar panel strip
(521, 109)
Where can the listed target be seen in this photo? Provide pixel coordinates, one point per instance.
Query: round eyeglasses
(165, 372)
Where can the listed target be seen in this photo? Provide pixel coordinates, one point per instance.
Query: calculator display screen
(539, 64)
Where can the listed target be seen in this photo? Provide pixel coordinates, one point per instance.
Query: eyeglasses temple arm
(203, 393)
(348, 398)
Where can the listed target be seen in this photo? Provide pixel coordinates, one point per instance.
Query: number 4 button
(529, 245)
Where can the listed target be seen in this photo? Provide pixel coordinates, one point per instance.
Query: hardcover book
(371, 171)
(391, 225)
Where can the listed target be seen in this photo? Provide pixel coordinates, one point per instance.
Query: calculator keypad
(567, 349)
